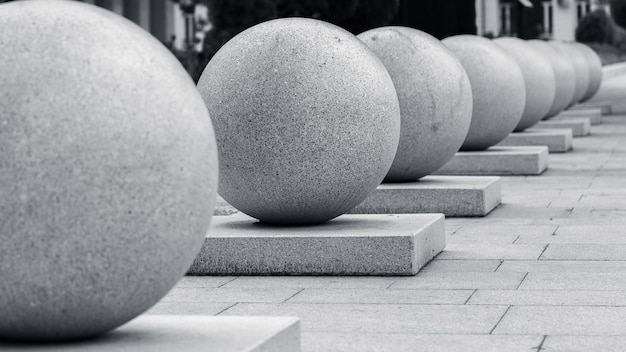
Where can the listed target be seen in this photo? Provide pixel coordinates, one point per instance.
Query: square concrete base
(606, 107)
(528, 160)
(594, 115)
(348, 245)
(580, 126)
(451, 195)
(183, 333)
(557, 140)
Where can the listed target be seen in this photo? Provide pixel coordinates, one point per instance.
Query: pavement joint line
(295, 294)
(499, 265)
(516, 238)
(227, 282)
(543, 251)
(499, 320)
(521, 282)
(470, 296)
(540, 347)
(555, 231)
(227, 308)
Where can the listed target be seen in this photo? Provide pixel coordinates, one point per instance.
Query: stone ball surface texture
(581, 68)
(564, 74)
(538, 77)
(595, 69)
(306, 118)
(499, 93)
(435, 99)
(108, 170)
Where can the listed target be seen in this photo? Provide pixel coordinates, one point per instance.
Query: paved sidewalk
(546, 271)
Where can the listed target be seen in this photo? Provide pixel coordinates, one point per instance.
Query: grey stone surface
(492, 251)
(585, 252)
(434, 94)
(526, 160)
(450, 195)
(580, 126)
(381, 296)
(397, 318)
(593, 114)
(462, 265)
(188, 333)
(349, 245)
(307, 120)
(581, 68)
(460, 281)
(412, 342)
(108, 171)
(544, 296)
(575, 281)
(583, 343)
(334, 282)
(557, 140)
(498, 89)
(539, 79)
(563, 320)
(564, 73)
(560, 266)
(606, 107)
(595, 69)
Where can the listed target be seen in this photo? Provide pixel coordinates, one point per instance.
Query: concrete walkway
(546, 271)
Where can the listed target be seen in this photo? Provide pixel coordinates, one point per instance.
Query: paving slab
(325, 342)
(606, 107)
(597, 234)
(348, 245)
(461, 281)
(527, 160)
(557, 140)
(563, 320)
(230, 294)
(381, 318)
(542, 297)
(381, 296)
(574, 281)
(584, 343)
(580, 126)
(156, 333)
(450, 195)
(562, 266)
(301, 282)
(492, 251)
(584, 252)
(498, 234)
(593, 114)
(462, 265)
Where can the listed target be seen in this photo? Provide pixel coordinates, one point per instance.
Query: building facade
(556, 19)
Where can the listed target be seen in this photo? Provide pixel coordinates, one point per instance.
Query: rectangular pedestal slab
(557, 140)
(184, 333)
(527, 160)
(580, 126)
(451, 195)
(348, 245)
(594, 115)
(605, 106)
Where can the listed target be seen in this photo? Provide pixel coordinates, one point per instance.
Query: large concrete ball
(564, 74)
(435, 99)
(581, 68)
(595, 69)
(108, 170)
(538, 77)
(498, 89)
(307, 120)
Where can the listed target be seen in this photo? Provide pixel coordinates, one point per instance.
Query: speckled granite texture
(564, 73)
(306, 118)
(435, 99)
(497, 87)
(581, 68)
(108, 170)
(595, 69)
(538, 77)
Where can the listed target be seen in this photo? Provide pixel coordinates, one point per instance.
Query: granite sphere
(435, 99)
(538, 77)
(108, 170)
(564, 74)
(498, 89)
(306, 118)
(595, 69)
(581, 68)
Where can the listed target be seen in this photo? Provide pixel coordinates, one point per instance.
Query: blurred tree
(440, 18)
(618, 11)
(596, 27)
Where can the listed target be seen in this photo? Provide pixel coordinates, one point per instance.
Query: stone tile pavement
(546, 271)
